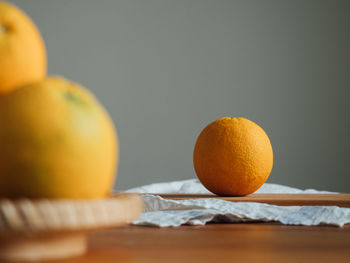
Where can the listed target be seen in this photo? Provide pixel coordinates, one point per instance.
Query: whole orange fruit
(56, 141)
(233, 156)
(22, 50)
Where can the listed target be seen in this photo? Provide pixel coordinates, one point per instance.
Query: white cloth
(164, 213)
(193, 186)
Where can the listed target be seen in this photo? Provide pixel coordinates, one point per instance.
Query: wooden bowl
(50, 229)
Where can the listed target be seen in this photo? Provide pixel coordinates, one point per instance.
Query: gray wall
(164, 69)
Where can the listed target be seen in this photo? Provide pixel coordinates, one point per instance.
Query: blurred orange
(22, 50)
(57, 141)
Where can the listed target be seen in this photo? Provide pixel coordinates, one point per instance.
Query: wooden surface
(342, 200)
(217, 243)
(258, 242)
(51, 229)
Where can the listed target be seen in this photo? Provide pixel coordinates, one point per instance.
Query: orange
(56, 141)
(233, 156)
(22, 50)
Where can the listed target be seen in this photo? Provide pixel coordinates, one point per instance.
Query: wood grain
(217, 243)
(341, 200)
(261, 242)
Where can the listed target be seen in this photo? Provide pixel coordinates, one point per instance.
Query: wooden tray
(48, 229)
(341, 200)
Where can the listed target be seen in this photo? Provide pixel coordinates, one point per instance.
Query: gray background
(165, 69)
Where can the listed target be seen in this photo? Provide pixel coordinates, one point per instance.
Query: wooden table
(258, 242)
(218, 243)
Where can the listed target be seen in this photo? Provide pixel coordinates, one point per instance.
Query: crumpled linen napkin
(165, 213)
(194, 186)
